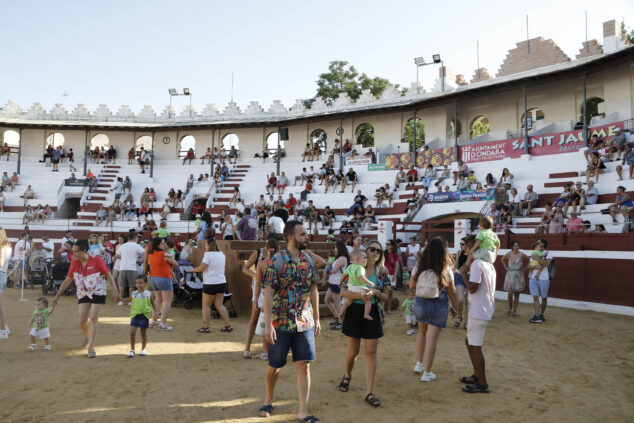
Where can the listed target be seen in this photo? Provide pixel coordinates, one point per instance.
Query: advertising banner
(452, 197)
(358, 160)
(376, 166)
(438, 157)
(76, 182)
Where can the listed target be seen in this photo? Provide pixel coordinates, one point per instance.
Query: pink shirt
(575, 225)
(482, 302)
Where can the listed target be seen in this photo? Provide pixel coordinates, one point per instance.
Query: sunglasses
(462, 244)
(374, 250)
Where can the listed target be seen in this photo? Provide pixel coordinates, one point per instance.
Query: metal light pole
(414, 146)
(455, 131)
(278, 151)
(174, 93)
(86, 152)
(525, 122)
(212, 162)
(152, 157)
(420, 61)
(340, 134)
(585, 120)
(19, 152)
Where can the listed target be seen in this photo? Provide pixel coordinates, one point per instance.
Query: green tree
(627, 33)
(376, 85)
(420, 133)
(480, 126)
(365, 135)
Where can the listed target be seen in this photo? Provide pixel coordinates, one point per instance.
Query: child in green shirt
(39, 324)
(408, 311)
(357, 282)
(162, 230)
(142, 305)
(487, 242)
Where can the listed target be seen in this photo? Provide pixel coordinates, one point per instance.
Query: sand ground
(576, 367)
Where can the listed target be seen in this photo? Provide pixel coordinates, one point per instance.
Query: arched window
(11, 138)
(452, 128)
(187, 142)
(534, 115)
(479, 126)
(271, 141)
(145, 141)
(56, 139)
(409, 133)
(318, 136)
(99, 140)
(230, 140)
(592, 108)
(365, 135)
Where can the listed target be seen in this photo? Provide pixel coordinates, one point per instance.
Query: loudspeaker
(283, 134)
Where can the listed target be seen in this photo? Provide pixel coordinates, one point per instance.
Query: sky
(130, 52)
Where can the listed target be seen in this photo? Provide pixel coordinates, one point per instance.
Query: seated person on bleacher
(628, 160)
(359, 201)
(190, 155)
(328, 217)
(6, 182)
(112, 154)
(29, 194)
(351, 179)
(100, 216)
(6, 151)
(463, 169)
(428, 176)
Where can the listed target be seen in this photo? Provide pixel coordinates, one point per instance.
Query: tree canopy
(420, 133)
(365, 135)
(343, 77)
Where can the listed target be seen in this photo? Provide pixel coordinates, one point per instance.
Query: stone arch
(534, 114)
(319, 137)
(271, 141)
(230, 140)
(144, 141)
(99, 140)
(479, 125)
(592, 108)
(408, 134)
(55, 139)
(186, 142)
(364, 135)
(11, 137)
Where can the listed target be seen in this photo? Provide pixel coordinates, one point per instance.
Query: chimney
(612, 39)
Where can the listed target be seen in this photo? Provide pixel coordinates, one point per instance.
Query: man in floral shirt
(291, 314)
(90, 275)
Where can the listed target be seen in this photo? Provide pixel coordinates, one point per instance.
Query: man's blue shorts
(302, 345)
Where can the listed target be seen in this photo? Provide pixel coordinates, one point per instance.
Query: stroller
(188, 287)
(38, 273)
(59, 271)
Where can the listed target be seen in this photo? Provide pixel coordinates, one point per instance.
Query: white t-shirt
(20, 247)
(543, 274)
(339, 264)
(482, 302)
(5, 258)
(49, 244)
(412, 250)
(214, 274)
(228, 230)
(129, 252)
(277, 224)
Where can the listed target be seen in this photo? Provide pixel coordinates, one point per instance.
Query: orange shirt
(158, 266)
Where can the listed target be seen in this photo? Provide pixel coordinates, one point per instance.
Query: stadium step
(563, 175)
(96, 198)
(557, 184)
(112, 166)
(242, 166)
(110, 171)
(83, 223)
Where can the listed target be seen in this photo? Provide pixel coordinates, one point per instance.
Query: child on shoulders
(357, 282)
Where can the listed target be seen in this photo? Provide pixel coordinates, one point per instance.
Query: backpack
(279, 262)
(427, 285)
(551, 268)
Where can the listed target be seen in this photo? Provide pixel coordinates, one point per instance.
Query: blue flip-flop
(309, 419)
(265, 410)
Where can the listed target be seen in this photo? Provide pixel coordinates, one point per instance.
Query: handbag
(427, 285)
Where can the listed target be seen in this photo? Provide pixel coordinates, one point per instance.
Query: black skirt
(355, 326)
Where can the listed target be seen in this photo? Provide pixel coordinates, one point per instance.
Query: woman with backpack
(433, 280)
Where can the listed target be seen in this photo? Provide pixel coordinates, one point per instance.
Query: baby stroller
(59, 272)
(38, 273)
(189, 287)
(226, 301)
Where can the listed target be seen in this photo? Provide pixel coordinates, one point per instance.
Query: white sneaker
(6, 329)
(419, 367)
(120, 303)
(427, 377)
(143, 353)
(47, 347)
(410, 332)
(4, 334)
(131, 354)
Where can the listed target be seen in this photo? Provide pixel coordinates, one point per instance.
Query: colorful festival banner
(436, 158)
(452, 196)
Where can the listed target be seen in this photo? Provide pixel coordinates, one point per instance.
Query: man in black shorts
(90, 275)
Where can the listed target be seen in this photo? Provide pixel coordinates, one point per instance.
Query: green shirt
(40, 318)
(408, 307)
(489, 240)
(141, 304)
(354, 271)
(162, 232)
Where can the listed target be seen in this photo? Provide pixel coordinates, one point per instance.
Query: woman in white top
(333, 273)
(258, 259)
(5, 257)
(117, 262)
(506, 178)
(95, 249)
(227, 229)
(516, 202)
(214, 285)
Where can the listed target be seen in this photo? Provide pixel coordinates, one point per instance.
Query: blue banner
(453, 196)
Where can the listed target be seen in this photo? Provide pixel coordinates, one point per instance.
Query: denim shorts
(432, 311)
(3, 281)
(139, 321)
(334, 288)
(302, 345)
(459, 281)
(160, 284)
(539, 287)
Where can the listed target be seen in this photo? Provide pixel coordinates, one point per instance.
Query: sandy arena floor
(577, 367)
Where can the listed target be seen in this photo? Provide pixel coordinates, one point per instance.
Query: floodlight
(186, 91)
(436, 58)
(419, 61)
(172, 91)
